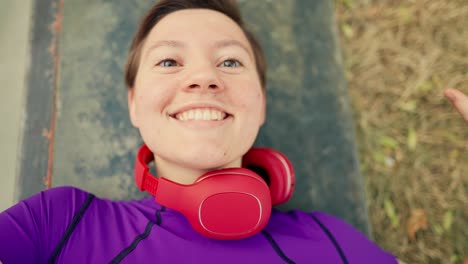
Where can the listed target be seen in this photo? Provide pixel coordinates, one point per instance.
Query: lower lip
(203, 124)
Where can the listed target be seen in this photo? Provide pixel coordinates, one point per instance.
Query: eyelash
(167, 60)
(239, 64)
(235, 61)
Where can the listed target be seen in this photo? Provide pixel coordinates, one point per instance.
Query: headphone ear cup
(231, 203)
(279, 171)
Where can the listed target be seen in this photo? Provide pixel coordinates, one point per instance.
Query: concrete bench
(77, 131)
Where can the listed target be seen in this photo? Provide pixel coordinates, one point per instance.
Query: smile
(203, 114)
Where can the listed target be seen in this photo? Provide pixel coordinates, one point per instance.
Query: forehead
(201, 25)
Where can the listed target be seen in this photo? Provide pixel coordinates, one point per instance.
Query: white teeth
(216, 114)
(198, 114)
(201, 114)
(207, 115)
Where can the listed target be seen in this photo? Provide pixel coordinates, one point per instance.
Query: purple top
(68, 225)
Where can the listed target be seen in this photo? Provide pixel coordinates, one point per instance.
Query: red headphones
(231, 203)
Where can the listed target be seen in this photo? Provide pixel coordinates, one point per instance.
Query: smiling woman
(196, 93)
(185, 75)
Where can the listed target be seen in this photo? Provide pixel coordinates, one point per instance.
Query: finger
(459, 100)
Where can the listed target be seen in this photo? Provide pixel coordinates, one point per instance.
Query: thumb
(459, 100)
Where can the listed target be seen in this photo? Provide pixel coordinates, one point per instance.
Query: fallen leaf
(347, 30)
(405, 14)
(388, 142)
(438, 229)
(448, 220)
(379, 157)
(455, 259)
(416, 222)
(412, 140)
(409, 106)
(348, 3)
(391, 213)
(426, 86)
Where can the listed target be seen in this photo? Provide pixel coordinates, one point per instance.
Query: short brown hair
(165, 7)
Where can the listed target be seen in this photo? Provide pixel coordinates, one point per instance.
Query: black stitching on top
(71, 228)
(277, 248)
(134, 244)
(158, 215)
(332, 238)
(140, 237)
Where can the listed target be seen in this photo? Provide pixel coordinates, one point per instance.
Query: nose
(204, 78)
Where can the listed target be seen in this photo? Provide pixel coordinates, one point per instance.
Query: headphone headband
(231, 203)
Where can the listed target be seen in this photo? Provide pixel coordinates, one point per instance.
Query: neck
(183, 174)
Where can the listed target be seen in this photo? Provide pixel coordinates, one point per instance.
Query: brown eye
(168, 63)
(231, 63)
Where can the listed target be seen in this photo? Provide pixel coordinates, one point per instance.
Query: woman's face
(197, 100)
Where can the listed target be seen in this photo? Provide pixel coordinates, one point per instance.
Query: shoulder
(36, 224)
(54, 201)
(55, 208)
(58, 194)
(354, 245)
(58, 201)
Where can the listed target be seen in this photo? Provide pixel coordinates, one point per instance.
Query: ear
(132, 106)
(263, 117)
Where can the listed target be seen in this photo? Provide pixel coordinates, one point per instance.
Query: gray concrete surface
(94, 146)
(15, 18)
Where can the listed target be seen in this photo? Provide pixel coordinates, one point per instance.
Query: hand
(459, 100)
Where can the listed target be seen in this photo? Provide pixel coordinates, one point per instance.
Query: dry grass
(413, 146)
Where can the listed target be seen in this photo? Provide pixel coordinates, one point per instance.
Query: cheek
(259, 104)
(252, 103)
(247, 88)
(251, 95)
(153, 96)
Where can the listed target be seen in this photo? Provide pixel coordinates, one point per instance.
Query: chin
(211, 166)
(207, 159)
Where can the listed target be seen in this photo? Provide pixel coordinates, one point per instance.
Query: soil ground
(413, 146)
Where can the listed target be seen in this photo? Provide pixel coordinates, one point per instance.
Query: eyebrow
(170, 43)
(179, 44)
(233, 42)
